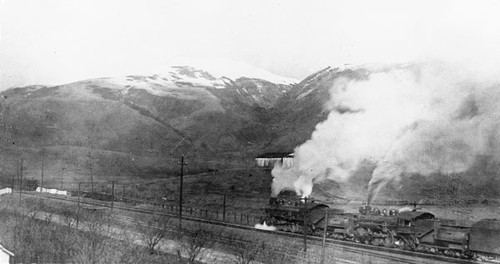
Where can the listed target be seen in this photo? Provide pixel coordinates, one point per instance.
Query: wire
(176, 146)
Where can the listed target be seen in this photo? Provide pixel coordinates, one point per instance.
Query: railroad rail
(392, 254)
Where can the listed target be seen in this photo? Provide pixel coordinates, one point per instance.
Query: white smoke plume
(264, 226)
(417, 118)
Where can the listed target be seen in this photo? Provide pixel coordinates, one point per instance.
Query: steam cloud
(415, 118)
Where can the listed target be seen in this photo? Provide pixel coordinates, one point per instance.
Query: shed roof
(275, 155)
(6, 251)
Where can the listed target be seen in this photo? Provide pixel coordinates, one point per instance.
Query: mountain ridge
(184, 112)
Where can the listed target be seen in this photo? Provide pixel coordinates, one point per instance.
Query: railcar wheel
(377, 241)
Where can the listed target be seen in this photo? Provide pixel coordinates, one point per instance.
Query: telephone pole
(180, 192)
(306, 214)
(21, 179)
(43, 165)
(91, 174)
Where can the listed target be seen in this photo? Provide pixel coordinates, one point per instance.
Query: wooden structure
(270, 159)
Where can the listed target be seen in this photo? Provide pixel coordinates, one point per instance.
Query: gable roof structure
(275, 155)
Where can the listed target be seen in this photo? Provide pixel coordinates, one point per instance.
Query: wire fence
(108, 194)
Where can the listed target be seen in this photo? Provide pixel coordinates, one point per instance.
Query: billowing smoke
(416, 118)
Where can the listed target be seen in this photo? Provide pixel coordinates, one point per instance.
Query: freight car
(411, 230)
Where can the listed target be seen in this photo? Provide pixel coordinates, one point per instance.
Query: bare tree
(194, 243)
(92, 245)
(153, 230)
(70, 217)
(246, 251)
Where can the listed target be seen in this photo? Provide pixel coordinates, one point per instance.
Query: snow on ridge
(218, 75)
(234, 69)
(196, 77)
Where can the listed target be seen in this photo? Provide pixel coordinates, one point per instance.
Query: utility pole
(43, 165)
(224, 208)
(91, 175)
(21, 179)
(306, 213)
(180, 192)
(78, 209)
(324, 238)
(62, 175)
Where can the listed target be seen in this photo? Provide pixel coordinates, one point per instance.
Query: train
(411, 229)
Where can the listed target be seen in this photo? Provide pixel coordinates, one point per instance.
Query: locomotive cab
(415, 221)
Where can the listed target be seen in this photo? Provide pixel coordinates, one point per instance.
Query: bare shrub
(92, 244)
(70, 218)
(280, 254)
(36, 241)
(33, 207)
(245, 251)
(153, 230)
(194, 243)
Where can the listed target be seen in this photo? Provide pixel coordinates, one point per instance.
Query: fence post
(224, 208)
(79, 195)
(112, 194)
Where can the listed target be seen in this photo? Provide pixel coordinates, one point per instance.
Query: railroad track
(392, 254)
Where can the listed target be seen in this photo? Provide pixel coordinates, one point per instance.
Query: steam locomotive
(411, 230)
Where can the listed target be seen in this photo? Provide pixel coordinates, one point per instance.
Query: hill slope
(147, 119)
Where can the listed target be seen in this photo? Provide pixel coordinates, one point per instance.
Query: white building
(6, 256)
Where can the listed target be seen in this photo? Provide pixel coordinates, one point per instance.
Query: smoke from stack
(420, 118)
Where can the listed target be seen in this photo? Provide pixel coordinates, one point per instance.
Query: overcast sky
(54, 42)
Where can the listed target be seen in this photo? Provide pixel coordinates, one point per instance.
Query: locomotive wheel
(389, 240)
(408, 242)
(361, 235)
(377, 241)
(296, 228)
(468, 254)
